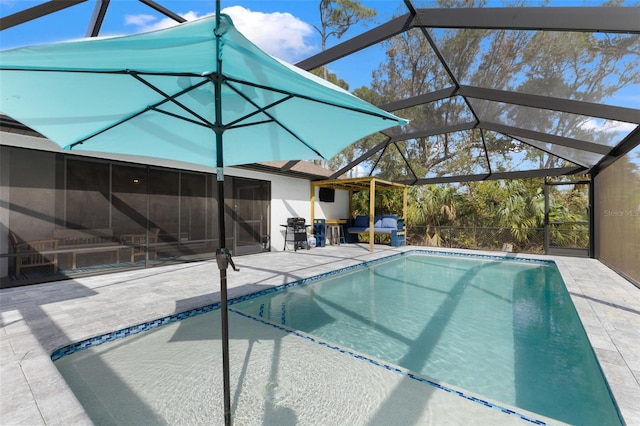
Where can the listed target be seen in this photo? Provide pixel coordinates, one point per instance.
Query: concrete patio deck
(35, 320)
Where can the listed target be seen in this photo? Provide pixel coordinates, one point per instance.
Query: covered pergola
(353, 185)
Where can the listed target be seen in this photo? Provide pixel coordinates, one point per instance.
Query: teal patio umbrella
(199, 92)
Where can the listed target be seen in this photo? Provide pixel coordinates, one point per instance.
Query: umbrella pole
(225, 346)
(223, 258)
(223, 263)
(224, 313)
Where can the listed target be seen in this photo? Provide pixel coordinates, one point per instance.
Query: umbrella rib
(308, 98)
(90, 71)
(153, 107)
(180, 117)
(263, 110)
(173, 99)
(258, 111)
(255, 123)
(124, 120)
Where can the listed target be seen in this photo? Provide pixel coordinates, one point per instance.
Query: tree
(575, 65)
(331, 78)
(582, 66)
(337, 16)
(522, 210)
(432, 206)
(568, 215)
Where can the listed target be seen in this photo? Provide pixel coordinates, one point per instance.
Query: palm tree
(522, 210)
(431, 206)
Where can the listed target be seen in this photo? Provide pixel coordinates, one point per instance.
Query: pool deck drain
(37, 319)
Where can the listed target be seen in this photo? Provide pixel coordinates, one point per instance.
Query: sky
(284, 29)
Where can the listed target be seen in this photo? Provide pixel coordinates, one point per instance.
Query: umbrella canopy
(199, 92)
(153, 94)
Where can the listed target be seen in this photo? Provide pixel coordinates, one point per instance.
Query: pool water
(504, 329)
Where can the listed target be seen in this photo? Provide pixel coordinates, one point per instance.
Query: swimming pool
(430, 322)
(504, 329)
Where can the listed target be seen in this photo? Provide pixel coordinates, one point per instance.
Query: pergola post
(354, 185)
(313, 206)
(372, 211)
(405, 193)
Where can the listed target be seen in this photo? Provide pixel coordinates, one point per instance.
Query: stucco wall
(291, 197)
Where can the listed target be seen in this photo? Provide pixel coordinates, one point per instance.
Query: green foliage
(582, 66)
(336, 17)
(432, 206)
(386, 202)
(569, 215)
(479, 210)
(330, 77)
(522, 208)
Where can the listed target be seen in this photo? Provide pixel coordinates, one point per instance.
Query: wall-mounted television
(328, 195)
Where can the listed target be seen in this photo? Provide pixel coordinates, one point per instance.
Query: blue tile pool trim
(502, 258)
(129, 331)
(150, 325)
(366, 264)
(391, 368)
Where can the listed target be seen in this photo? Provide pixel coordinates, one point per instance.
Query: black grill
(296, 232)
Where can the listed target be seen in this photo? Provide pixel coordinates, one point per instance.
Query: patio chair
(138, 243)
(36, 253)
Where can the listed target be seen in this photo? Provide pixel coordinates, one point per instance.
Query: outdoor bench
(83, 241)
(384, 224)
(36, 253)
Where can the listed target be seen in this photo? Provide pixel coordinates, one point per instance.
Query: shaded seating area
(36, 253)
(84, 242)
(388, 224)
(141, 244)
(69, 247)
(372, 224)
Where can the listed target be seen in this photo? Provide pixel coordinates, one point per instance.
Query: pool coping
(169, 319)
(578, 278)
(150, 325)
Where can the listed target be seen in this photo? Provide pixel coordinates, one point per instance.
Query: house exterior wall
(33, 199)
(290, 197)
(339, 209)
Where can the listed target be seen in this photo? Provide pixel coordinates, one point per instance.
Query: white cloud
(146, 23)
(609, 126)
(279, 34)
(138, 20)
